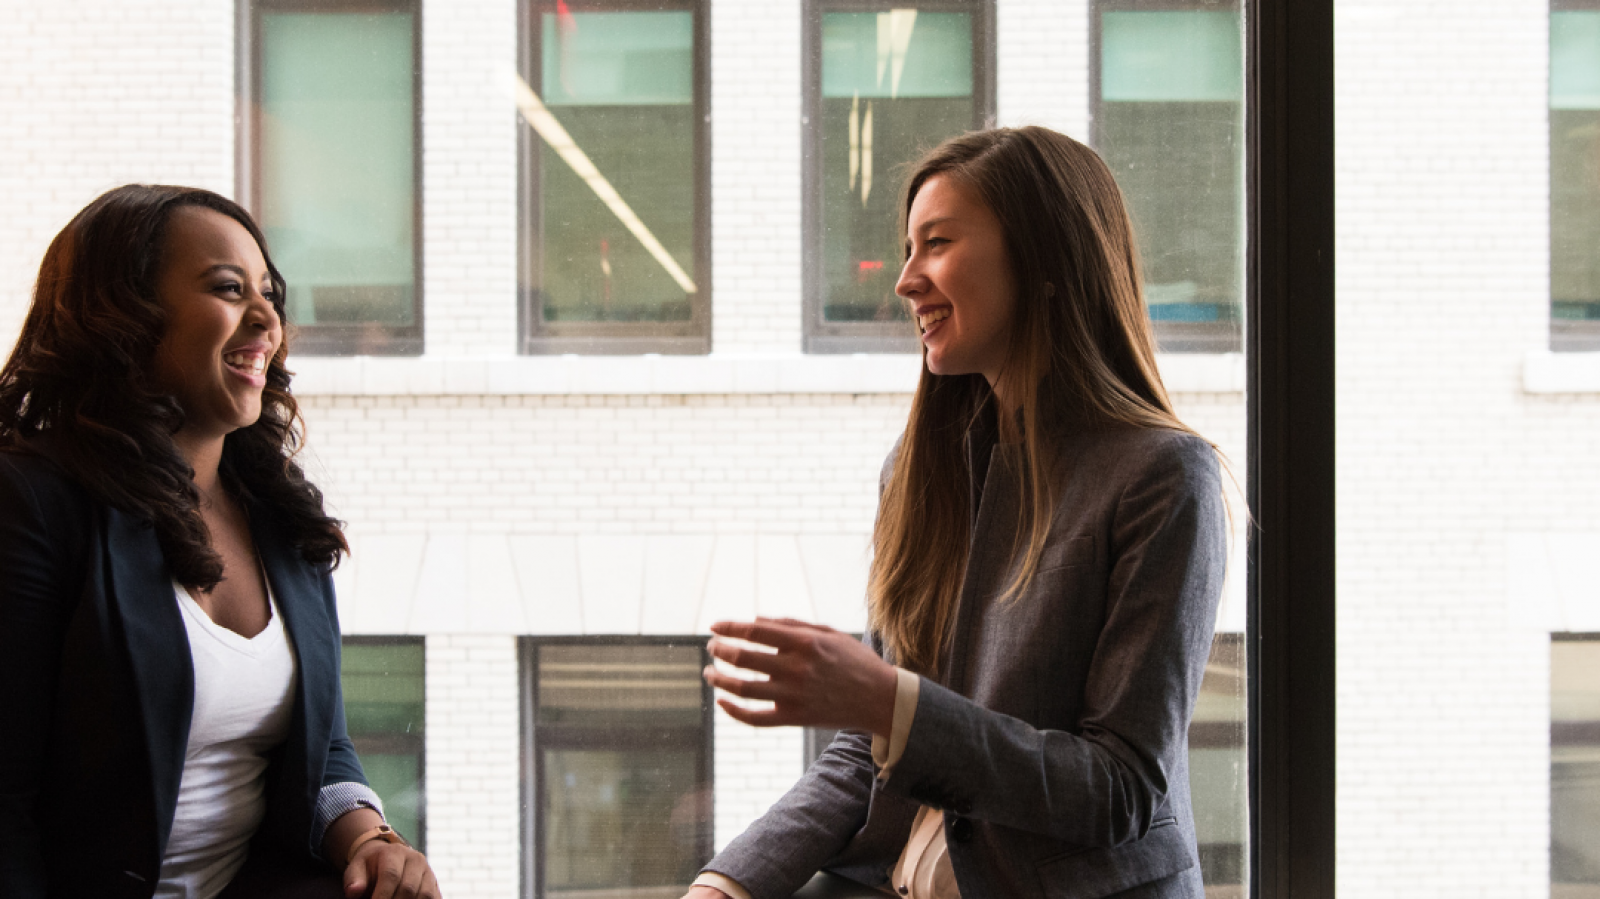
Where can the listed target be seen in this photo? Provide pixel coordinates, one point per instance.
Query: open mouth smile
(927, 320)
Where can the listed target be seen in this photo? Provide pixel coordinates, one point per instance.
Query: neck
(204, 455)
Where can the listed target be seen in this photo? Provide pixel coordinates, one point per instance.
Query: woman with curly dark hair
(169, 642)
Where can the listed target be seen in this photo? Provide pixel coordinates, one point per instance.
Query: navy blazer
(97, 690)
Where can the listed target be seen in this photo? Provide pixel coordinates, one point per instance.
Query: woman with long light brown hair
(1048, 560)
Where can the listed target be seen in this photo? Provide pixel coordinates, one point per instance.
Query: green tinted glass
(337, 173)
(894, 84)
(1171, 126)
(384, 710)
(618, 243)
(1575, 767)
(1574, 175)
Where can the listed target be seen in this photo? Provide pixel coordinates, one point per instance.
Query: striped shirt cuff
(339, 799)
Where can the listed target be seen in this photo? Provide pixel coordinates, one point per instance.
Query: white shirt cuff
(336, 800)
(719, 882)
(886, 752)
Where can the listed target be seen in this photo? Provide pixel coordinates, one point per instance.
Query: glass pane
(621, 819)
(1170, 124)
(337, 173)
(617, 241)
(622, 738)
(384, 710)
(894, 84)
(1575, 769)
(1575, 165)
(1217, 770)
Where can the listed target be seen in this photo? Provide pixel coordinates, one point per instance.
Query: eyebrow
(231, 269)
(930, 223)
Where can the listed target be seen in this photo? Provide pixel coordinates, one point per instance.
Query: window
(329, 166)
(883, 83)
(1217, 768)
(619, 762)
(1168, 117)
(615, 199)
(383, 708)
(1575, 175)
(1575, 766)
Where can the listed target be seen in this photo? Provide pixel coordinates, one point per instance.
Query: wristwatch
(382, 832)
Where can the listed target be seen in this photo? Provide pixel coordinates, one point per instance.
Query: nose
(911, 282)
(262, 313)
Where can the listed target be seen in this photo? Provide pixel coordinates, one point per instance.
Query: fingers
(773, 717)
(763, 690)
(388, 875)
(355, 880)
(780, 634)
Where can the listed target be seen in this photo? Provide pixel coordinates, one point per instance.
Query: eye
(935, 242)
(228, 287)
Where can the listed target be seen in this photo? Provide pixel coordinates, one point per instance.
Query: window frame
(821, 336)
(1290, 400)
(343, 339)
(531, 762)
(1566, 336)
(1175, 336)
(535, 336)
(418, 839)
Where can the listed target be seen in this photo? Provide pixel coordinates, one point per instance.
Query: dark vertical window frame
(407, 742)
(1567, 334)
(328, 340)
(821, 336)
(532, 766)
(1289, 332)
(541, 337)
(1172, 336)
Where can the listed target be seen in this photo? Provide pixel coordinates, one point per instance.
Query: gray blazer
(1055, 741)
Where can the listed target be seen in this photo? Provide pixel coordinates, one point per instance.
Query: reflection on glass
(337, 164)
(1217, 769)
(894, 84)
(621, 84)
(1574, 169)
(1575, 768)
(383, 707)
(1170, 123)
(622, 736)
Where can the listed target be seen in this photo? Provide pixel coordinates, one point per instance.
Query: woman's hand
(391, 871)
(816, 676)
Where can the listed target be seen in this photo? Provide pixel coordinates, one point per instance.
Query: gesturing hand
(816, 676)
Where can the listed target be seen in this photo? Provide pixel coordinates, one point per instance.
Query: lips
(249, 362)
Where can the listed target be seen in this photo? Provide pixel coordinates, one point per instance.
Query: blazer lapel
(298, 590)
(139, 593)
(988, 556)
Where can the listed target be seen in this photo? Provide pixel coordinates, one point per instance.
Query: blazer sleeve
(806, 828)
(1105, 781)
(42, 540)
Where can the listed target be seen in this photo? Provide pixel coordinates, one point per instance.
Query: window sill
(1547, 372)
(672, 375)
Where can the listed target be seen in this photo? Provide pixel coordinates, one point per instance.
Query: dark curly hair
(78, 388)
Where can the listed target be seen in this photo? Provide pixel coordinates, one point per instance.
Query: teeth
(937, 315)
(253, 363)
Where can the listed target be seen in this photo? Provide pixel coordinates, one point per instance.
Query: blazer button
(961, 830)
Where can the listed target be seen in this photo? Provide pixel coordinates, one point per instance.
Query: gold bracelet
(382, 832)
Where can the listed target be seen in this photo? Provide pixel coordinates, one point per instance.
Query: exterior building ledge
(1549, 372)
(718, 373)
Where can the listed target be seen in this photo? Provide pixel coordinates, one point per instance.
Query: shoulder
(1134, 453)
(32, 488)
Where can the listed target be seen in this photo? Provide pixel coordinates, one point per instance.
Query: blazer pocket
(1091, 873)
(1066, 553)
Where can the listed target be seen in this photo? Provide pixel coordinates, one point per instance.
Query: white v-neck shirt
(243, 700)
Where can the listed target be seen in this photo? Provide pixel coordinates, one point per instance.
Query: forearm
(343, 831)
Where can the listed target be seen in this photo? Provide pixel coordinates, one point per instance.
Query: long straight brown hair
(1081, 354)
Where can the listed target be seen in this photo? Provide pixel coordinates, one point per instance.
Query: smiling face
(958, 280)
(221, 327)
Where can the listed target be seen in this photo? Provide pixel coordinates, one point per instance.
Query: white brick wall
(473, 783)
